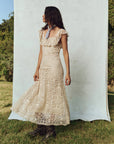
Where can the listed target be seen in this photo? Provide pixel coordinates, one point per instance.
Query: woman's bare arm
(66, 58)
(39, 59)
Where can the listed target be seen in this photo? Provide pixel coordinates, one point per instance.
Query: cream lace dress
(45, 102)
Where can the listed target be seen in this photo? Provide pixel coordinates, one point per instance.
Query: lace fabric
(45, 102)
(52, 41)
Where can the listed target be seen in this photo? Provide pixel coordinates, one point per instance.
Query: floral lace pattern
(45, 102)
(52, 41)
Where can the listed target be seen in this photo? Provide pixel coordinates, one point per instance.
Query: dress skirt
(45, 102)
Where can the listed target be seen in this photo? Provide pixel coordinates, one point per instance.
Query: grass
(78, 132)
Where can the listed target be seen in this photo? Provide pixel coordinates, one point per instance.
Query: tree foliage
(111, 42)
(6, 47)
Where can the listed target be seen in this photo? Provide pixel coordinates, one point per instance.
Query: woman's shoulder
(60, 29)
(40, 33)
(40, 30)
(63, 31)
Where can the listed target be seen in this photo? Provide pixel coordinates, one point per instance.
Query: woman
(45, 103)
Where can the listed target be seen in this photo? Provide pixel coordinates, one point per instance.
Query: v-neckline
(53, 36)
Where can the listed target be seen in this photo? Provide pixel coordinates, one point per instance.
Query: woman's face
(43, 18)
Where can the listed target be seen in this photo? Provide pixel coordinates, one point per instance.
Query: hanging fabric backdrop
(87, 24)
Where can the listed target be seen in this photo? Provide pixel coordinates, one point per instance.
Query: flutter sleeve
(63, 31)
(40, 35)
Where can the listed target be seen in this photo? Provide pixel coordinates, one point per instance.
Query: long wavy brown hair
(53, 15)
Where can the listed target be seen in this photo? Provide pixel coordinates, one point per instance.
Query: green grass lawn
(78, 132)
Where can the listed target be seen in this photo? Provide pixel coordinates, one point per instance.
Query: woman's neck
(49, 26)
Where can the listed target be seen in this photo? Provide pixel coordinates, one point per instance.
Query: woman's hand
(67, 79)
(36, 76)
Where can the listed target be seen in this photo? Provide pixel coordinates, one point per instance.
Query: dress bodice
(51, 49)
(52, 41)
